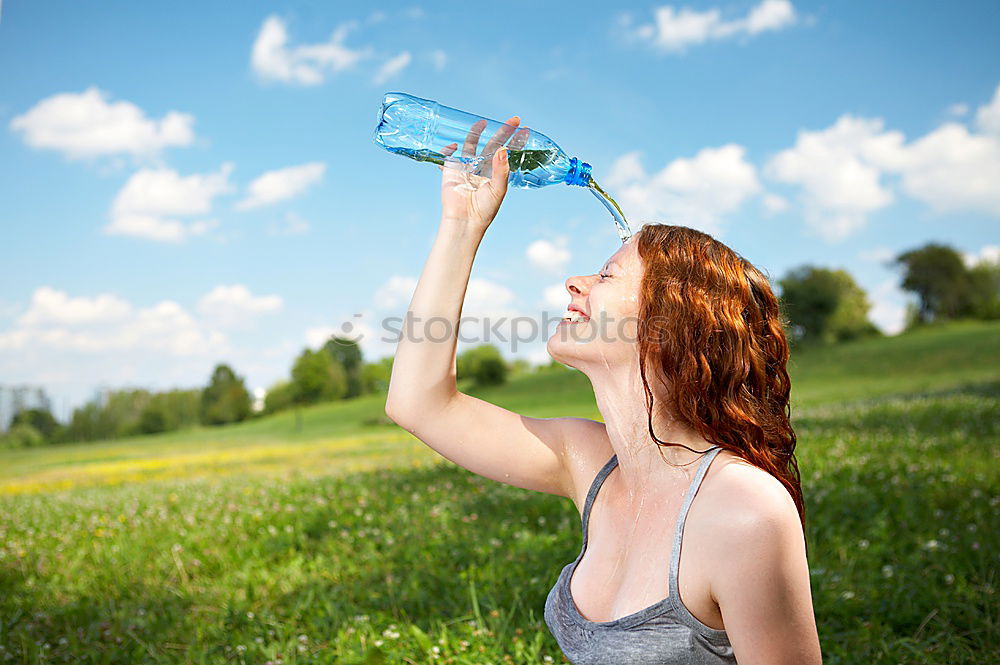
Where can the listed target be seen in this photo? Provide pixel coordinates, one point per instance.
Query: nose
(578, 285)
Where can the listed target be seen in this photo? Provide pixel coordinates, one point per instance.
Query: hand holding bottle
(471, 199)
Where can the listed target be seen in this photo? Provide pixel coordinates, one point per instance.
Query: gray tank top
(664, 633)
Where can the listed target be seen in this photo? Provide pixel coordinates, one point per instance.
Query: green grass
(345, 542)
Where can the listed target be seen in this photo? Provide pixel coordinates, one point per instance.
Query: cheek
(618, 310)
(626, 302)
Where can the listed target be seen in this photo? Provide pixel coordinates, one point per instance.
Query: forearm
(423, 370)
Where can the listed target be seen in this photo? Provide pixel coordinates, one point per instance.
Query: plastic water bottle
(421, 129)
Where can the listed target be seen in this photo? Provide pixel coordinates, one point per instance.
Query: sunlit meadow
(331, 536)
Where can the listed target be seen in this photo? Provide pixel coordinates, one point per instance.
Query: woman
(681, 340)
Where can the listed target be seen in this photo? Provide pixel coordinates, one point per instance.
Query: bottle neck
(579, 173)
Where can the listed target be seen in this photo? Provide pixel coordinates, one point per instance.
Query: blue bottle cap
(579, 173)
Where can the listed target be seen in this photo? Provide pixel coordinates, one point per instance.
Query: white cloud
(86, 124)
(842, 170)
(396, 292)
(484, 295)
(281, 184)
(952, 170)
(151, 198)
(986, 254)
(674, 30)
(231, 305)
(106, 323)
(391, 67)
(51, 307)
(307, 64)
(439, 58)
(695, 192)
(774, 204)
(988, 115)
(549, 256)
(838, 171)
(957, 109)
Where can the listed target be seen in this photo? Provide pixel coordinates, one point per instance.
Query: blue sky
(189, 183)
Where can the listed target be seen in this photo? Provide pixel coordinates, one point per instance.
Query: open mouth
(573, 316)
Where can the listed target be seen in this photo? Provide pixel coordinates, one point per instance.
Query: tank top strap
(592, 494)
(675, 554)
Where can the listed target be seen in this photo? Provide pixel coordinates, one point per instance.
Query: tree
(154, 418)
(483, 364)
(171, 410)
(108, 415)
(824, 305)
(347, 354)
(21, 435)
(985, 290)
(375, 376)
(89, 423)
(225, 399)
(937, 274)
(41, 419)
(317, 378)
(279, 397)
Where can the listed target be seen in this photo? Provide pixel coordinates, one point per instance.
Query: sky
(188, 183)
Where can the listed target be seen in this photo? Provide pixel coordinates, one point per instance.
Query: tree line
(821, 306)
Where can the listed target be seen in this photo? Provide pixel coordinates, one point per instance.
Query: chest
(626, 565)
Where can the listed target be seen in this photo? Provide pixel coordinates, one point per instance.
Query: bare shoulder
(743, 501)
(587, 449)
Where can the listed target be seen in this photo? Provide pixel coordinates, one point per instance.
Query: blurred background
(202, 244)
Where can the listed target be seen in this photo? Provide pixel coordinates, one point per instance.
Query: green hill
(355, 434)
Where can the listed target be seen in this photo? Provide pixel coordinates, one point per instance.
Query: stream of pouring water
(624, 232)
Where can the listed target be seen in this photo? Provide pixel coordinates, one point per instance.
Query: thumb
(501, 171)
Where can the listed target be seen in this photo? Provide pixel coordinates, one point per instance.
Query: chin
(553, 348)
(566, 350)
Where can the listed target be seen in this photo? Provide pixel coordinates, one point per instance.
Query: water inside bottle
(624, 232)
(519, 160)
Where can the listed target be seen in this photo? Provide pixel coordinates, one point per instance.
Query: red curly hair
(711, 328)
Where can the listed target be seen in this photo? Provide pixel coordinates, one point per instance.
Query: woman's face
(603, 307)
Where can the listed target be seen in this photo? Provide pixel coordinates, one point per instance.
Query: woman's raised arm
(423, 397)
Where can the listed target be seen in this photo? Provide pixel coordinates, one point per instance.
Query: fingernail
(503, 154)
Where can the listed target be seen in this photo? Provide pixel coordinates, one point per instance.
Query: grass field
(329, 536)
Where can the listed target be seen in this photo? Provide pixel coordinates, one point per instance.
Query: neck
(643, 465)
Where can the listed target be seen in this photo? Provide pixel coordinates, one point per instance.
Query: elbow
(392, 410)
(396, 411)
(407, 411)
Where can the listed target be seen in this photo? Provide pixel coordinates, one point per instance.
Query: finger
(447, 151)
(472, 138)
(501, 135)
(520, 138)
